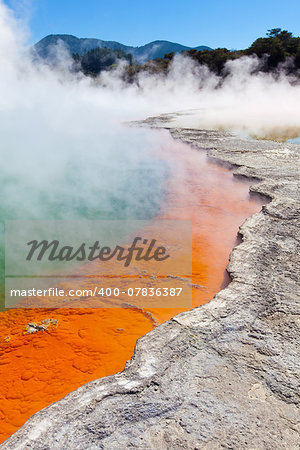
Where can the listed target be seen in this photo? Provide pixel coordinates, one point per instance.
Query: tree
(297, 58)
(282, 35)
(274, 32)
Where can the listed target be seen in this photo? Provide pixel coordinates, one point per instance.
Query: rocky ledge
(222, 376)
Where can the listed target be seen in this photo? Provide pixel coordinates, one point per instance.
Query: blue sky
(216, 23)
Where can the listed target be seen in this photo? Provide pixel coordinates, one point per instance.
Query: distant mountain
(155, 49)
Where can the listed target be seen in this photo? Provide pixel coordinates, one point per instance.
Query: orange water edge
(85, 344)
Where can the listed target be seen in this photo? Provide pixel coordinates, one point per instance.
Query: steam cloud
(66, 151)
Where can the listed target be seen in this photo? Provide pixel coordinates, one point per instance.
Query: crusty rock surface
(222, 376)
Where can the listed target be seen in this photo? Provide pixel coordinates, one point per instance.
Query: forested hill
(74, 45)
(278, 51)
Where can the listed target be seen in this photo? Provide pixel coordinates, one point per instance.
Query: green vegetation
(280, 45)
(95, 61)
(278, 50)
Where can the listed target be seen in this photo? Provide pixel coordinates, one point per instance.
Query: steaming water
(83, 186)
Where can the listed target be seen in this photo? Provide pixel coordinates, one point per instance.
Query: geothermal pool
(81, 345)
